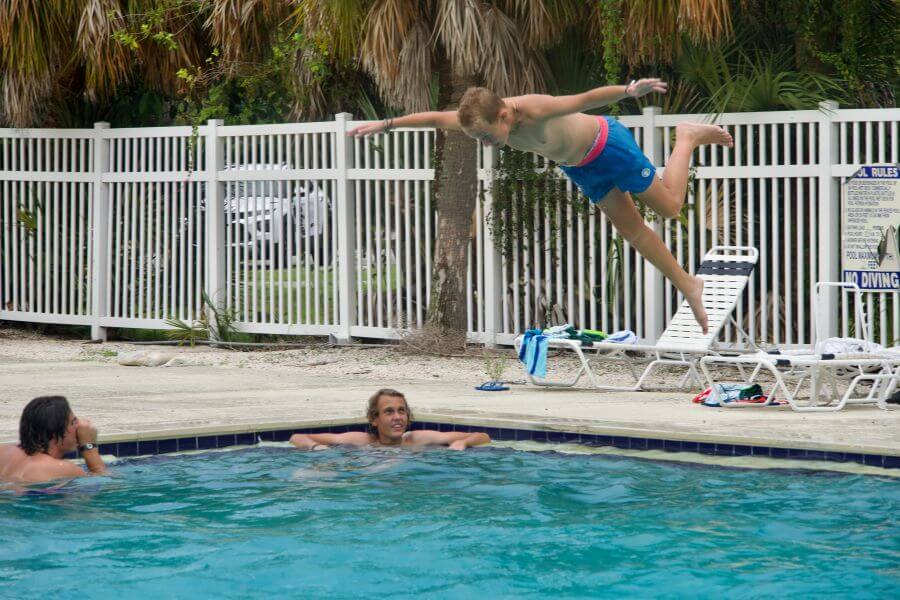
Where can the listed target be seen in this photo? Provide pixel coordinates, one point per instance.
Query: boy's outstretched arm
(539, 106)
(441, 119)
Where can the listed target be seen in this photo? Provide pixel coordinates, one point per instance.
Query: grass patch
(291, 295)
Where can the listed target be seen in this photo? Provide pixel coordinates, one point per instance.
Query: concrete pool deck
(135, 403)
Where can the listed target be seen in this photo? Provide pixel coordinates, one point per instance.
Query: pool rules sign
(870, 218)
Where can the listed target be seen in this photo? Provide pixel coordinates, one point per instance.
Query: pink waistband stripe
(599, 143)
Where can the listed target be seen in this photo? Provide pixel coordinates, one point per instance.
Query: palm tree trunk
(456, 195)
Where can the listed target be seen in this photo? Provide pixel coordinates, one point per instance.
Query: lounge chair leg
(755, 373)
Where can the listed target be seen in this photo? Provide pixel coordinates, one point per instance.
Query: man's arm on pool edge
(309, 441)
(456, 440)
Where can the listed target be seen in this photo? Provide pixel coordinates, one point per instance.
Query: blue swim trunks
(615, 160)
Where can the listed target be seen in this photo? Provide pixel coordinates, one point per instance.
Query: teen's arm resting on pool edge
(320, 441)
(456, 440)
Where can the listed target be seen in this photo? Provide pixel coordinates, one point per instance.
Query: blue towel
(539, 366)
(529, 352)
(525, 342)
(533, 352)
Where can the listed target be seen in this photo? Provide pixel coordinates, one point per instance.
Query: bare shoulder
(10, 458)
(8, 451)
(45, 468)
(529, 105)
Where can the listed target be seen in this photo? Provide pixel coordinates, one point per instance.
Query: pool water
(487, 522)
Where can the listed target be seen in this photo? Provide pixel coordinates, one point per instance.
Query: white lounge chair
(793, 367)
(823, 372)
(725, 271)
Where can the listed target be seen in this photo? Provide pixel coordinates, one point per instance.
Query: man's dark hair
(44, 419)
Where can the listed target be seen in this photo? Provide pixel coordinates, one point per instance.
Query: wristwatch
(88, 446)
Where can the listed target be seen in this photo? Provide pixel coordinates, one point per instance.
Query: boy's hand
(368, 129)
(642, 87)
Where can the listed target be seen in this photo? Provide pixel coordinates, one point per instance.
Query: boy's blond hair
(479, 106)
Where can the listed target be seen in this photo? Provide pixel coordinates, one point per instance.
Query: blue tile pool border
(209, 442)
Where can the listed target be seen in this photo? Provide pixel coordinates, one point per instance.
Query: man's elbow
(300, 441)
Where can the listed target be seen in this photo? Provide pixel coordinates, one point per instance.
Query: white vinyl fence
(301, 230)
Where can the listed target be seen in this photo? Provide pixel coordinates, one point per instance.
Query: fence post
(829, 219)
(215, 218)
(100, 227)
(493, 262)
(346, 227)
(654, 290)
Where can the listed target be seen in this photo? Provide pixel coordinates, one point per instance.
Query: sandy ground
(362, 363)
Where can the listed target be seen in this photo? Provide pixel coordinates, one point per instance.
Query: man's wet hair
(372, 409)
(44, 420)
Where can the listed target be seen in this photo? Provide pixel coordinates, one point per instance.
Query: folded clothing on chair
(567, 332)
(728, 393)
(837, 345)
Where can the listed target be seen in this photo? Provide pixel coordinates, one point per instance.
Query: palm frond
(412, 87)
(387, 25)
(460, 27)
(105, 61)
(508, 66)
(651, 28)
(337, 23)
(34, 42)
(542, 22)
(242, 29)
(309, 95)
(705, 20)
(160, 59)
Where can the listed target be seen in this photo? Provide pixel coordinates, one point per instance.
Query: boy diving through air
(598, 153)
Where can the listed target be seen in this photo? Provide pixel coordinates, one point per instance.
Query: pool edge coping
(208, 437)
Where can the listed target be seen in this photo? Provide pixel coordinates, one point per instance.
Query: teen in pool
(48, 430)
(389, 418)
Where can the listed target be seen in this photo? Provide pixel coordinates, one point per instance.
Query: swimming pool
(493, 522)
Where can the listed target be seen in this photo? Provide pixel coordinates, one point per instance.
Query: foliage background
(69, 63)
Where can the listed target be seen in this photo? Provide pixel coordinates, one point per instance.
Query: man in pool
(389, 419)
(597, 153)
(48, 430)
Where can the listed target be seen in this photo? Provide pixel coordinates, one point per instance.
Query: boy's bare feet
(701, 134)
(694, 298)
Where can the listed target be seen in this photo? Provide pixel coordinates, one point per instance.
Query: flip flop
(492, 386)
